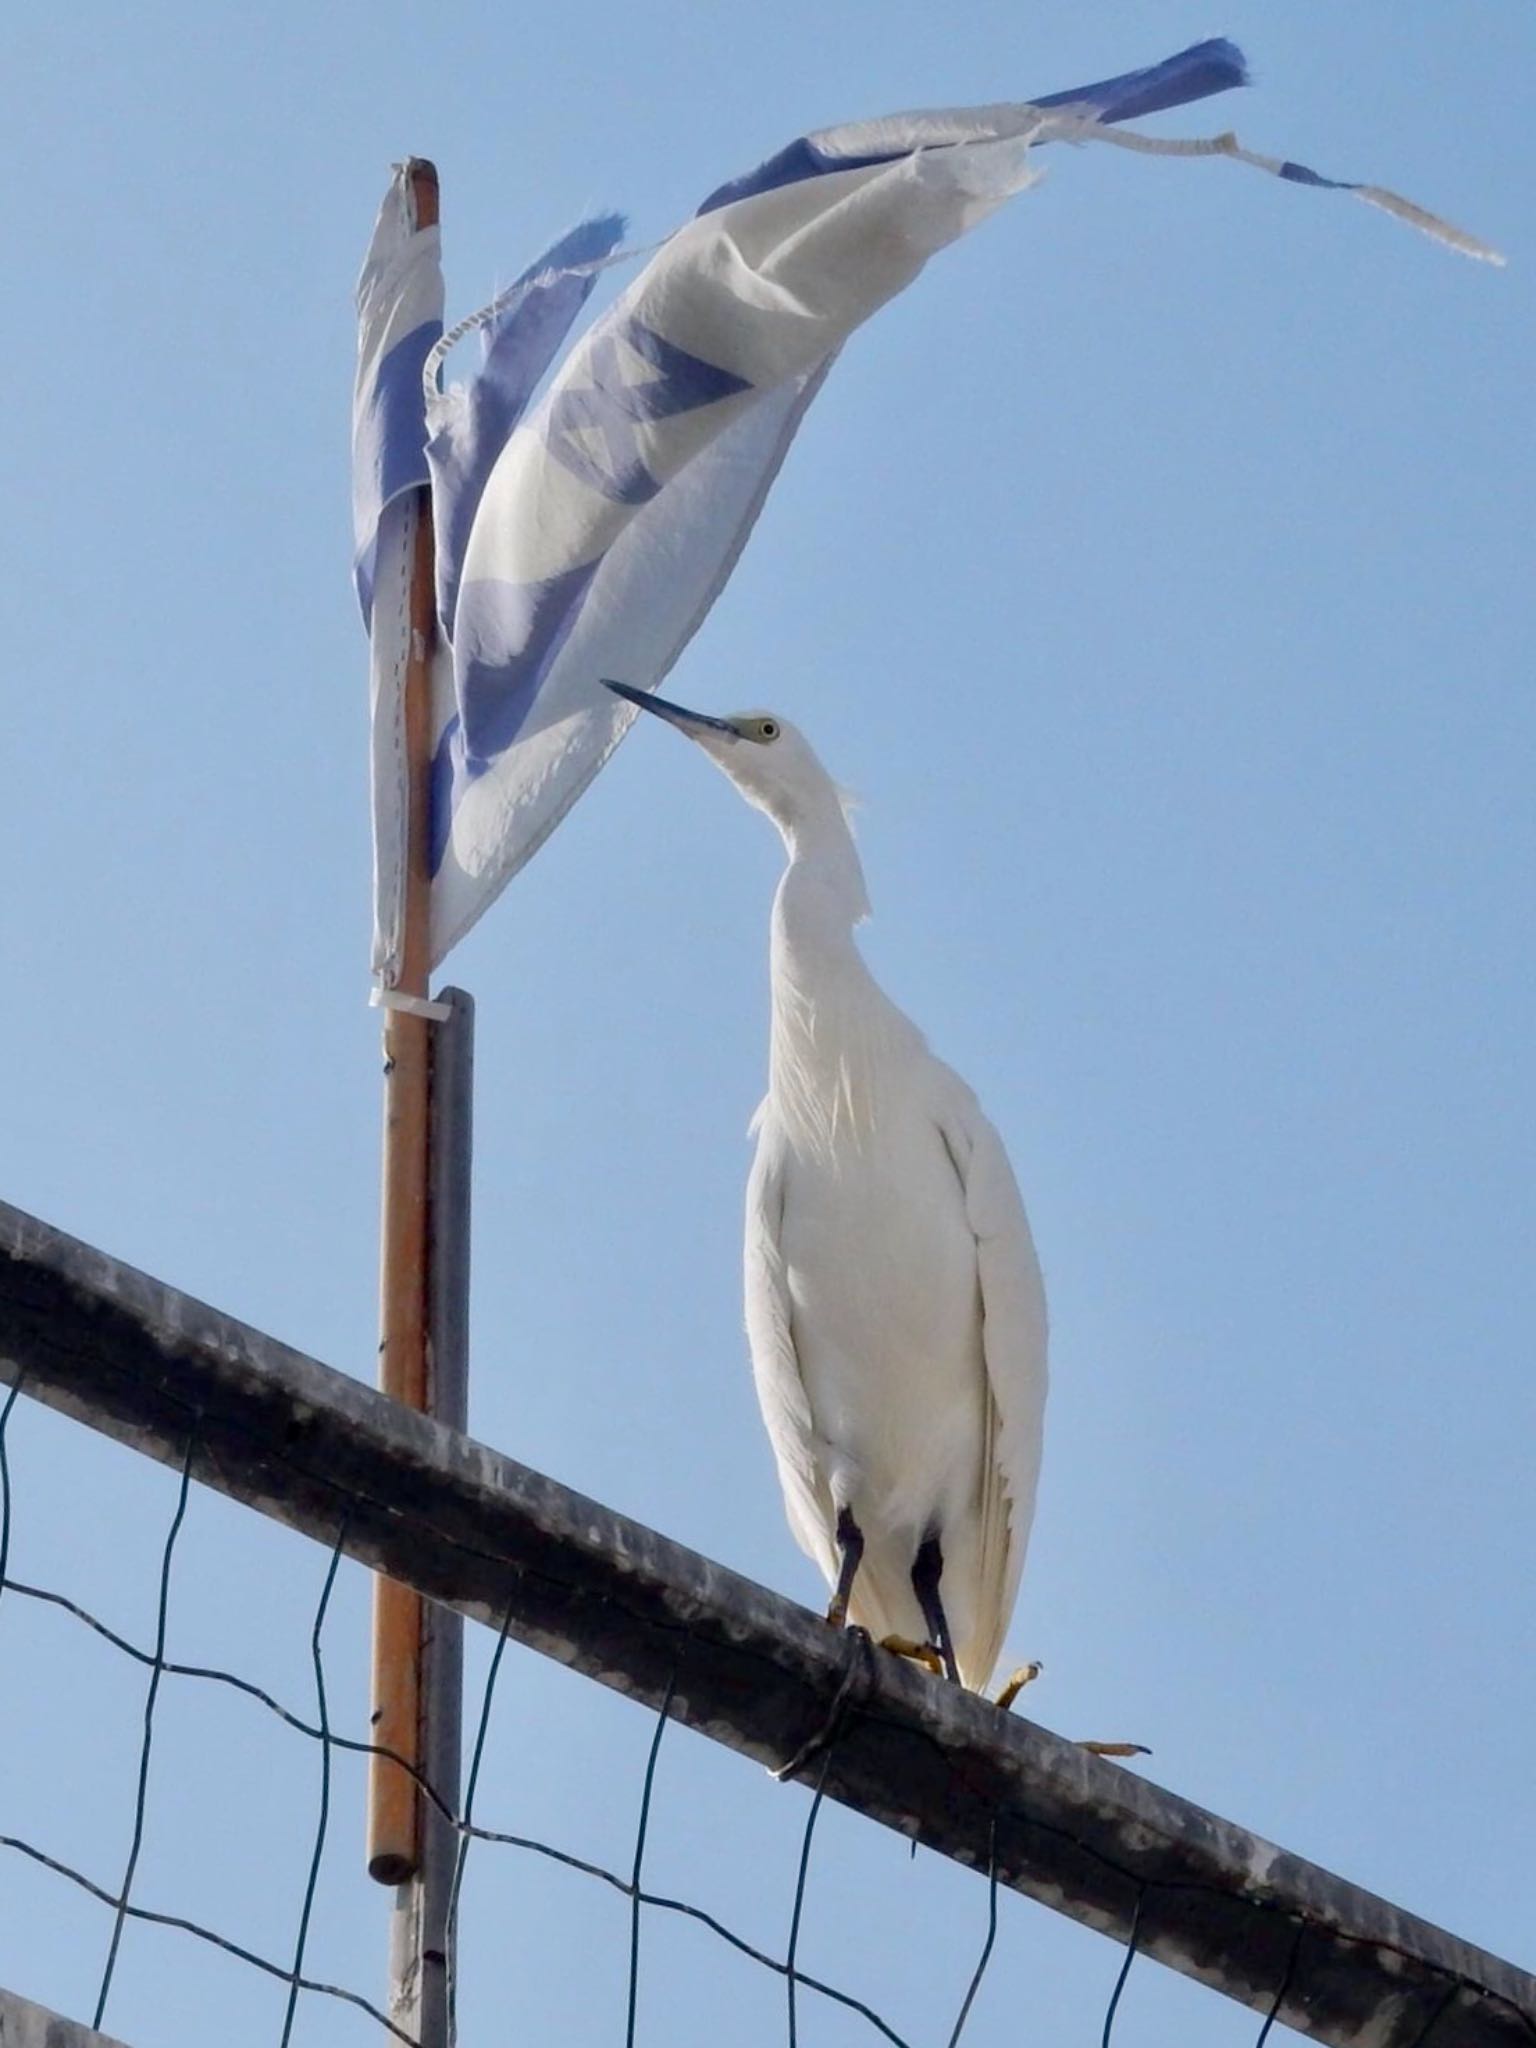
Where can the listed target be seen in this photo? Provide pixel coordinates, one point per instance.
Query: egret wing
(781, 1391)
(1014, 1348)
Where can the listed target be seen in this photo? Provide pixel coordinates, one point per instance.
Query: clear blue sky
(1157, 569)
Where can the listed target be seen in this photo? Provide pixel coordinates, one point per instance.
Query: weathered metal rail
(24, 2025)
(486, 1536)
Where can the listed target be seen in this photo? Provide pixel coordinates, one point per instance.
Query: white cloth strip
(413, 1006)
(1227, 145)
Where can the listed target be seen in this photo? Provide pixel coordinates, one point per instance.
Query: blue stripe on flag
(397, 407)
(594, 432)
(496, 694)
(538, 312)
(496, 691)
(1194, 74)
(440, 796)
(797, 161)
(1216, 65)
(1300, 175)
(392, 438)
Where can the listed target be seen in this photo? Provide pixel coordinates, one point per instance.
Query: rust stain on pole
(394, 1820)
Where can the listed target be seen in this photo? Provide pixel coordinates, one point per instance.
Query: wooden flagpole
(394, 1818)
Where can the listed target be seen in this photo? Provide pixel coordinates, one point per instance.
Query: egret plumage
(894, 1305)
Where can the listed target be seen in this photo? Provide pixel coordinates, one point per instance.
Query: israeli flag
(588, 534)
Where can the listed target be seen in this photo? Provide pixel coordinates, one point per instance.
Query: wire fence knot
(853, 1690)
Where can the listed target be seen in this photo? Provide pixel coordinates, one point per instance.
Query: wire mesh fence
(182, 1713)
(53, 1849)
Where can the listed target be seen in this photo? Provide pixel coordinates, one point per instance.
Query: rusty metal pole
(394, 1819)
(419, 1933)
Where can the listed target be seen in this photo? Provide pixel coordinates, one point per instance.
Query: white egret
(894, 1303)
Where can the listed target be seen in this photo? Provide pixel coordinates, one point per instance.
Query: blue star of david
(609, 412)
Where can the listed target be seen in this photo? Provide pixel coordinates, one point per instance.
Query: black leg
(850, 1541)
(927, 1570)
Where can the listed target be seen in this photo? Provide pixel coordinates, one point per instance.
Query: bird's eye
(769, 729)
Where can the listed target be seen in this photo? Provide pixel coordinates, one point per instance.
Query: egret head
(769, 760)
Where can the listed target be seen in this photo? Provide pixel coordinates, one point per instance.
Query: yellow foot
(1025, 1675)
(837, 1612)
(920, 1653)
(1115, 1748)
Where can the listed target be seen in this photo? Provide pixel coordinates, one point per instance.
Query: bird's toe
(920, 1653)
(1025, 1675)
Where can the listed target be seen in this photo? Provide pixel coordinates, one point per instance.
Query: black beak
(686, 721)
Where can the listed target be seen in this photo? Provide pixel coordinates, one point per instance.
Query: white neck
(833, 1028)
(822, 894)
